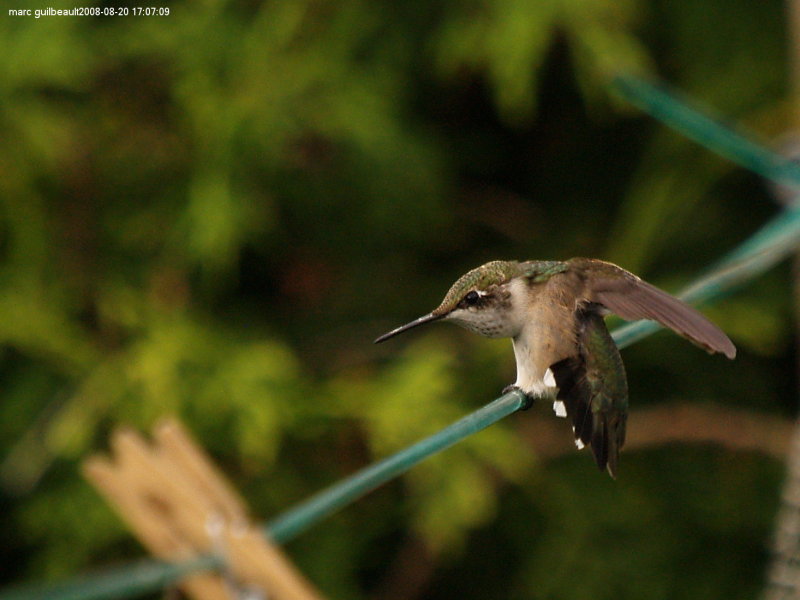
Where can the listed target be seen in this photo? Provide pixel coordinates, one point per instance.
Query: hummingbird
(554, 311)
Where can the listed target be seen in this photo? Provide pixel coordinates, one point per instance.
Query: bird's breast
(546, 337)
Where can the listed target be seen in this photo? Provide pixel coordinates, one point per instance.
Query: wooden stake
(180, 506)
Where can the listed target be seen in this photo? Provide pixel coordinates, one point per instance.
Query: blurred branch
(732, 428)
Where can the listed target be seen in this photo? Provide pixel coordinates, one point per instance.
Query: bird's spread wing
(624, 294)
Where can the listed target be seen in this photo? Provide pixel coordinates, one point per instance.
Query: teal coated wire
(674, 110)
(127, 581)
(755, 255)
(297, 519)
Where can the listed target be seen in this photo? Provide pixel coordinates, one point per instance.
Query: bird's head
(482, 300)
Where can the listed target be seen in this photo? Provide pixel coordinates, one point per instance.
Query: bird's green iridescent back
(542, 270)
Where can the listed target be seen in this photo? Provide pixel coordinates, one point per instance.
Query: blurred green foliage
(212, 214)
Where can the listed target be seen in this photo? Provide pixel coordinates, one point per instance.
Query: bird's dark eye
(472, 298)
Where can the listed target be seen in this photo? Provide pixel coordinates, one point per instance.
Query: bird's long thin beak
(430, 317)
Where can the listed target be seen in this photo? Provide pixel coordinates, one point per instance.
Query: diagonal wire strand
(676, 111)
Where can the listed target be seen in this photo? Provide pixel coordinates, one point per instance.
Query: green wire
(771, 243)
(127, 581)
(297, 519)
(672, 109)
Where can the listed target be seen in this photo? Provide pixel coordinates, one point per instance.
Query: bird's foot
(529, 398)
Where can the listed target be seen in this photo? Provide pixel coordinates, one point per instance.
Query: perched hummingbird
(553, 312)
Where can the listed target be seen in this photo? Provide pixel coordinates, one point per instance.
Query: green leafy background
(212, 214)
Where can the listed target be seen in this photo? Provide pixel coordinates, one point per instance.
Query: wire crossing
(755, 255)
